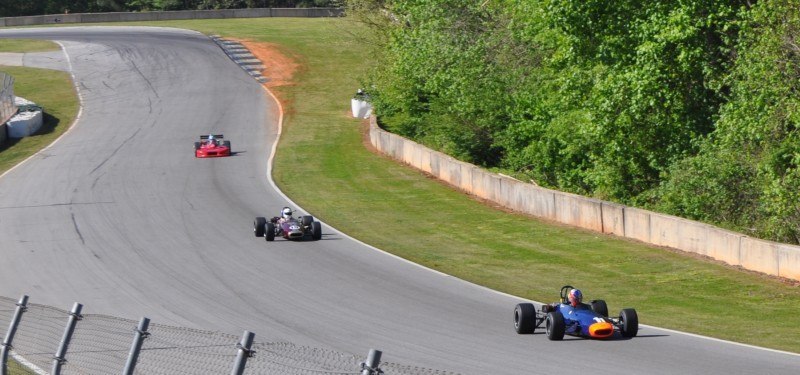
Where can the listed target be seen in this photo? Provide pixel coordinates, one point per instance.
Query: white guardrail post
(59, 358)
(22, 306)
(138, 338)
(370, 367)
(245, 352)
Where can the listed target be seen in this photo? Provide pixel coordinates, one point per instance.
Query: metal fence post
(59, 359)
(136, 347)
(371, 366)
(244, 352)
(22, 306)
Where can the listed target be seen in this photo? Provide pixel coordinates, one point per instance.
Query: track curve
(118, 215)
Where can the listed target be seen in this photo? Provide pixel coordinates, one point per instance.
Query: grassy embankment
(26, 45)
(335, 177)
(51, 89)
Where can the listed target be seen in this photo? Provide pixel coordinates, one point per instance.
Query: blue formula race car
(573, 317)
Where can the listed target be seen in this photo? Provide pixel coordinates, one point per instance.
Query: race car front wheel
(269, 232)
(629, 322)
(316, 230)
(525, 318)
(555, 326)
(258, 226)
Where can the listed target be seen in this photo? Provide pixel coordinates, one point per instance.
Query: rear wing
(215, 136)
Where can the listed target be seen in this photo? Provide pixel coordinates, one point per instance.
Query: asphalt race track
(119, 216)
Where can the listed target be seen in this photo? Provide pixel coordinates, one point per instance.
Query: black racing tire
(599, 306)
(525, 318)
(306, 220)
(226, 144)
(629, 323)
(555, 326)
(316, 230)
(258, 226)
(269, 232)
(196, 147)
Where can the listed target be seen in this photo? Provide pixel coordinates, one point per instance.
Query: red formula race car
(212, 146)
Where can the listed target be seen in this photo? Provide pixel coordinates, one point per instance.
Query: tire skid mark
(77, 230)
(116, 150)
(55, 205)
(149, 84)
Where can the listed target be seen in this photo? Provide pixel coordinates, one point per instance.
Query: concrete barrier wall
(636, 224)
(578, 211)
(760, 256)
(170, 15)
(613, 218)
(789, 261)
(24, 21)
(650, 227)
(62, 18)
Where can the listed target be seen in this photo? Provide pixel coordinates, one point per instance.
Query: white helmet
(286, 213)
(210, 137)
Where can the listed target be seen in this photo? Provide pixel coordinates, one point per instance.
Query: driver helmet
(286, 213)
(575, 297)
(211, 139)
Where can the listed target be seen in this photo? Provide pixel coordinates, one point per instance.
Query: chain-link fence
(102, 345)
(7, 107)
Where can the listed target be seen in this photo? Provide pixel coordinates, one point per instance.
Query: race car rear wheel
(599, 306)
(196, 147)
(316, 230)
(258, 226)
(555, 326)
(269, 232)
(306, 220)
(525, 318)
(227, 144)
(629, 322)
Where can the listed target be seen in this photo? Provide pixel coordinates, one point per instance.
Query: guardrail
(737, 249)
(169, 15)
(42, 337)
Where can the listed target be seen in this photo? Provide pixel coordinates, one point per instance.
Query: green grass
(53, 90)
(404, 212)
(27, 45)
(14, 368)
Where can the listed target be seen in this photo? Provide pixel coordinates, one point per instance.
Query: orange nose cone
(601, 330)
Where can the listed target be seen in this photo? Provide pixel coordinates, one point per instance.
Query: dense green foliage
(746, 175)
(15, 8)
(683, 106)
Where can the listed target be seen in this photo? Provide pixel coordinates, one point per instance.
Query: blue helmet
(575, 296)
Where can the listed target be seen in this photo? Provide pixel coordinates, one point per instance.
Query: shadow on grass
(9, 142)
(49, 125)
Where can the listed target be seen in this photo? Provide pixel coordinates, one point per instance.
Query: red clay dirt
(279, 69)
